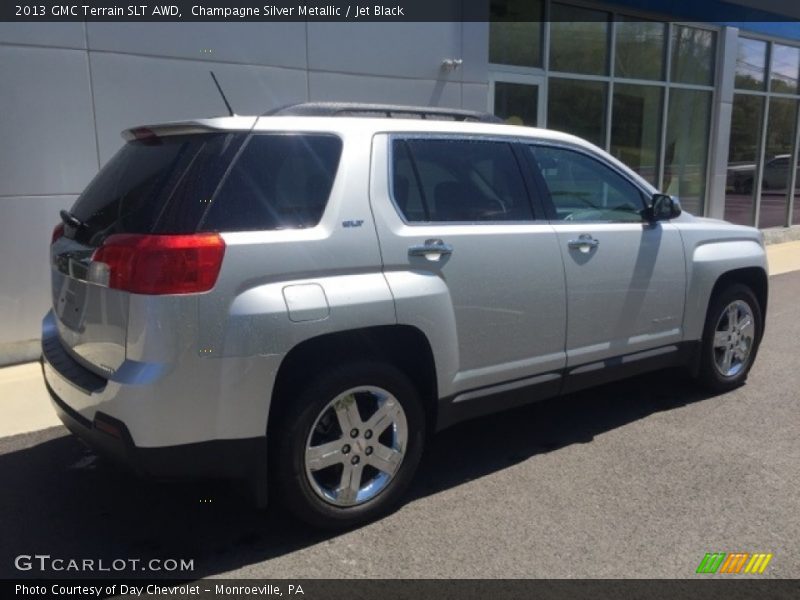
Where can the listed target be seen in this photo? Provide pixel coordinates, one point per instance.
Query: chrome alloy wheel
(734, 336)
(350, 458)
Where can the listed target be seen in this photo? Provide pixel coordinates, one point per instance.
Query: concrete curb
(780, 235)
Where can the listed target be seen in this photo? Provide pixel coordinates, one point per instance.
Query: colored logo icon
(734, 563)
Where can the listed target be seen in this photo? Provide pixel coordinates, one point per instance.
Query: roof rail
(356, 109)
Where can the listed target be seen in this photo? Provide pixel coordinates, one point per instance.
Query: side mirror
(663, 208)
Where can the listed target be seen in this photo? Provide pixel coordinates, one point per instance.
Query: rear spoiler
(214, 124)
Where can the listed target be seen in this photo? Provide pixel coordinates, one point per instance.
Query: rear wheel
(348, 444)
(730, 339)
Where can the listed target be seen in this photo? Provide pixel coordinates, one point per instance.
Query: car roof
(345, 124)
(344, 117)
(329, 118)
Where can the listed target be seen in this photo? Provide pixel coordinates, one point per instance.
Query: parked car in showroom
(302, 298)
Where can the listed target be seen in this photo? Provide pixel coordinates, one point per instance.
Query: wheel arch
(403, 346)
(753, 277)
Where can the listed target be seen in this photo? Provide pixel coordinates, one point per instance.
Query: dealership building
(705, 109)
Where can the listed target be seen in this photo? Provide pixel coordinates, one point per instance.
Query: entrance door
(517, 99)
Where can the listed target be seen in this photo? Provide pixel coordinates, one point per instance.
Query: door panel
(501, 278)
(627, 293)
(626, 279)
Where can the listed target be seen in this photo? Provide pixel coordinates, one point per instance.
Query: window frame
(532, 189)
(549, 205)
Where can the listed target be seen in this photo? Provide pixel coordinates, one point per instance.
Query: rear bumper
(97, 411)
(110, 438)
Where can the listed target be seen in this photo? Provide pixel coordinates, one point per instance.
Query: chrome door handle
(584, 243)
(431, 249)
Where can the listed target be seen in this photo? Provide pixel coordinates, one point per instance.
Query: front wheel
(730, 339)
(348, 444)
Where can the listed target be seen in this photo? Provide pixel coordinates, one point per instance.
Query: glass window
(584, 189)
(578, 107)
(751, 63)
(454, 180)
(777, 157)
(748, 112)
(155, 185)
(693, 52)
(640, 49)
(686, 150)
(636, 126)
(578, 40)
(278, 182)
(516, 103)
(515, 32)
(796, 206)
(785, 69)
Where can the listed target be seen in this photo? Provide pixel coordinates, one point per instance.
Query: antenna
(221, 93)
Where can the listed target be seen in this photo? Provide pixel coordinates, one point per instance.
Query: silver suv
(309, 294)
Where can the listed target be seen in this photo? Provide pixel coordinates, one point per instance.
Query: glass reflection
(687, 147)
(578, 40)
(693, 55)
(777, 158)
(748, 112)
(796, 207)
(578, 107)
(515, 32)
(785, 69)
(635, 127)
(751, 61)
(640, 49)
(516, 103)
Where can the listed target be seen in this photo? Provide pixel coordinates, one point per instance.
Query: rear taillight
(58, 231)
(162, 264)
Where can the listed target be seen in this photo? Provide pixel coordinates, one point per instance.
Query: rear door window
(280, 181)
(458, 180)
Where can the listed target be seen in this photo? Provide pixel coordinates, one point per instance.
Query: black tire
(709, 374)
(302, 406)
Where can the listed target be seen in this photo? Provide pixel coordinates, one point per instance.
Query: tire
(309, 482)
(721, 344)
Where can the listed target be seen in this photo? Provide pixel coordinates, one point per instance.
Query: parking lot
(635, 479)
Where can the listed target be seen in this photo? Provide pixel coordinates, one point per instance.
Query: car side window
(279, 181)
(584, 189)
(458, 180)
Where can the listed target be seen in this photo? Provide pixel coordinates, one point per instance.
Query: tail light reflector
(58, 231)
(162, 264)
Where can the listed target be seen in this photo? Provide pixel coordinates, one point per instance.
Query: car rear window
(186, 183)
(158, 185)
(278, 182)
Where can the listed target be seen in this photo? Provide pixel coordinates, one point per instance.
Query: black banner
(359, 11)
(405, 589)
(249, 10)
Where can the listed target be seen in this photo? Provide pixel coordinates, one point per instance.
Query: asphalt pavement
(640, 478)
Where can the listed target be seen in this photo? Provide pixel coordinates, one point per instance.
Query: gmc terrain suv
(308, 294)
